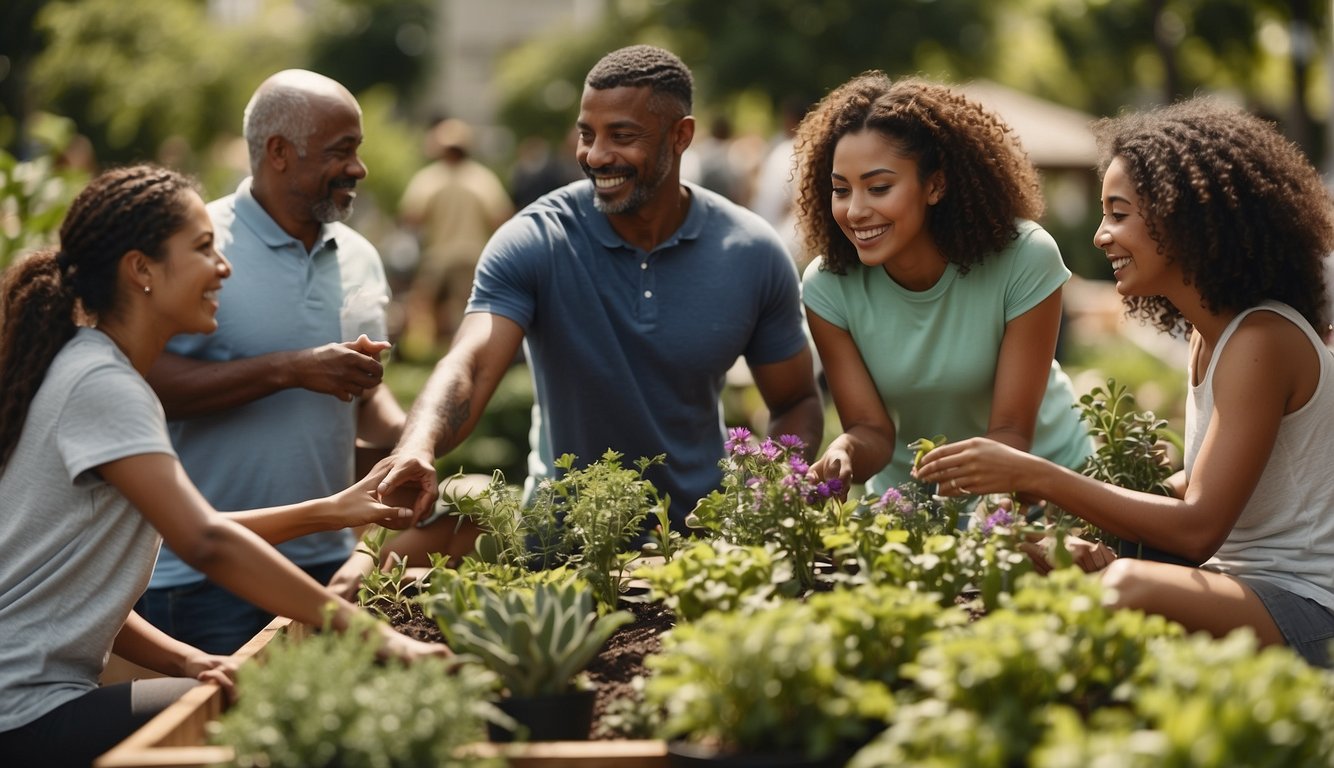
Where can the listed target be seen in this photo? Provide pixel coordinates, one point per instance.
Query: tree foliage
(132, 74)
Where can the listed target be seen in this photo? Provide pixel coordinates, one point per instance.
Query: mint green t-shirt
(932, 354)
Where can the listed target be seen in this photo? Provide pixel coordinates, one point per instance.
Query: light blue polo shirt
(294, 444)
(628, 349)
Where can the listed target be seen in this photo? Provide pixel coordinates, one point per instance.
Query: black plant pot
(561, 717)
(683, 754)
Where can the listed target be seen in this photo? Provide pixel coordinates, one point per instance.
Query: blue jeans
(209, 617)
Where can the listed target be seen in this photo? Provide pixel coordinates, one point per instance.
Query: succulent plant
(536, 640)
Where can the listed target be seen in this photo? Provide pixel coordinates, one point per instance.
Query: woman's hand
(408, 479)
(1090, 556)
(976, 466)
(361, 504)
(395, 645)
(835, 464)
(208, 668)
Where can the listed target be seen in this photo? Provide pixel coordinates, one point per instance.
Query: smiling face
(628, 150)
(1137, 265)
(187, 278)
(880, 202)
(322, 181)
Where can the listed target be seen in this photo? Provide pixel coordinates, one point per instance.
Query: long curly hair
(989, 180)
(1231, 200)
(46, 295)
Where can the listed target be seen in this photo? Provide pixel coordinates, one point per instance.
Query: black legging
(76, 732)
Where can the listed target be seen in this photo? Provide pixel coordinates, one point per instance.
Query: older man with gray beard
(269, 409)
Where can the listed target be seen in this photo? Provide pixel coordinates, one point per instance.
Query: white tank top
(1285, 535)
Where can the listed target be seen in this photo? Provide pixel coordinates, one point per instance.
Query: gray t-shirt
(74, 553)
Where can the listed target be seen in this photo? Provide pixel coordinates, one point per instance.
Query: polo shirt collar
(253, 215)
(690, 229)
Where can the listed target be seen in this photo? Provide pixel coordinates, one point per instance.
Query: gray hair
(277, 110)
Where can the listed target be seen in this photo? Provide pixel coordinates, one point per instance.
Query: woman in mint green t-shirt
(935, 302)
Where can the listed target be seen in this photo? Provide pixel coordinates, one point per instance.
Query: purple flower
(1001, 517)
(791, 442)
(889, 498)
(770, 450)
(799, 465)
(738, 441)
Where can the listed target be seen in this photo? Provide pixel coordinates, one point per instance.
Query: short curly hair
(1227, 197)
(989, 180)
(646, 65)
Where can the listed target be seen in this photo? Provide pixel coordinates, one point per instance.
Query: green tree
(132, 74)
(364, 43)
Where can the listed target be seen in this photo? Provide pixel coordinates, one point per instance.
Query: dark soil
(613, 669)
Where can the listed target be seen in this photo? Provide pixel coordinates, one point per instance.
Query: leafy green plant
(537, 641)
(326, 700)
(768, 681)
(514, 534)
(34, 196)
(1128, 441)
(766, 496)
(605, 506)
(382, 586)
(713, 575)
(1051, 643)
(588, 519)
(1129, 450)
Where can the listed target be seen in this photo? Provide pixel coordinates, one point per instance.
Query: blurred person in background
(453, 205)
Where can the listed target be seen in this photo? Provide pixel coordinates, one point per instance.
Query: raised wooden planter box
(176, 738)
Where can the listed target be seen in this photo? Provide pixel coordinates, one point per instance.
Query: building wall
(472, 36)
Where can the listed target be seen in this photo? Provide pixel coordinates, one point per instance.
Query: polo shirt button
(643, 265)
(648, 294)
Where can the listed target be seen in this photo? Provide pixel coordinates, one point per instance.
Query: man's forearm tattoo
(455, 413)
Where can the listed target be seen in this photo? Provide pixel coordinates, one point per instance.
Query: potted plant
(537, 641)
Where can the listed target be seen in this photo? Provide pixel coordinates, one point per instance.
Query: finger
(398, 518)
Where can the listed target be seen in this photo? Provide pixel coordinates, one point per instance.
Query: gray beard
(326, 211)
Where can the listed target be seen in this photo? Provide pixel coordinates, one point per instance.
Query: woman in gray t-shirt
(90, 485)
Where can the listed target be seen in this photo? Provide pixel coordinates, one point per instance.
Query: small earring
(147, 289)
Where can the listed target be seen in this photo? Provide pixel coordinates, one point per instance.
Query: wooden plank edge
(645, 753)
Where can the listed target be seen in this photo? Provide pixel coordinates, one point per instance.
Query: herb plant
(1129, 452)
(713, 575)
(605, 506)
(587, 519)
(380, 587)
(326, 700)
(768, 681)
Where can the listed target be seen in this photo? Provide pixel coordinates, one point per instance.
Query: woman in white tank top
(1216, 225)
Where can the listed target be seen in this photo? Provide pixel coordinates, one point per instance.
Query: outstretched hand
(835, 464)
(975, 466)
(395, 645)
(346, 369)
(361, 504)
(409, 480)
